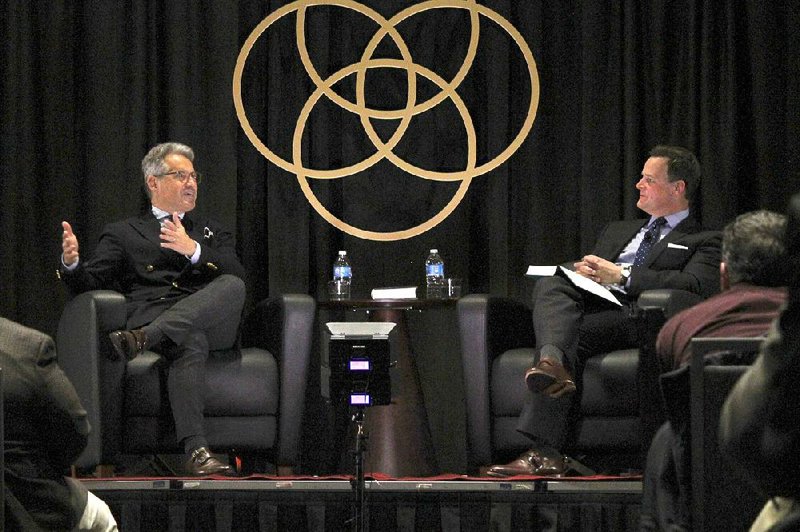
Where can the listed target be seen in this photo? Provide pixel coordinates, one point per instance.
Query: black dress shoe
(128, 344)
(531, 463)
(202, 464)
(550, 378)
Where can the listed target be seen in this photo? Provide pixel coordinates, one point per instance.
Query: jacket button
(175, 284)
(150, 268)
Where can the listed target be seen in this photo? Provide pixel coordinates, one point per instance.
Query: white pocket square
(675, 246)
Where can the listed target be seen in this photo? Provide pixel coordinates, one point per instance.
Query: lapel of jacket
(150, 229)
(147, 226)
(687, 226)
(623, 234)
(193, 229)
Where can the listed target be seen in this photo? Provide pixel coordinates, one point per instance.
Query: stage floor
(454, 504)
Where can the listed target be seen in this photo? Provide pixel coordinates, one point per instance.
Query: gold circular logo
(387, 29)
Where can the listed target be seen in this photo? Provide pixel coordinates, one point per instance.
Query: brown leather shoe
(128, 344)
(202, 464)
(550, 378)
(531, 463)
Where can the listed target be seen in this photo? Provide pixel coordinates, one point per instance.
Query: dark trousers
(580, 325)
(666, 492)
(201, 322)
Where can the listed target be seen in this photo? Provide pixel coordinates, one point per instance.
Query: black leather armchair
(497, 345)
(721, 496)
(255, 394)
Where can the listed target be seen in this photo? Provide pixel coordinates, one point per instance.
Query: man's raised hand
(69, 245)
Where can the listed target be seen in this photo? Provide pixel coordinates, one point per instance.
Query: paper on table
(402, 292)
(579, 281)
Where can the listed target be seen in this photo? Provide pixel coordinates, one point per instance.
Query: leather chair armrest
(668, 300)
(497, 323)
(654, 308)
(81, 343)
(488, 326)
(284, 326)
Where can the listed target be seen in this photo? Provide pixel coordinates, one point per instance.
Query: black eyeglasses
(183, 176)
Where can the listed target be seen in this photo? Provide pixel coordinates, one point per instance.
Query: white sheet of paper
(400, 292)
(578, 280)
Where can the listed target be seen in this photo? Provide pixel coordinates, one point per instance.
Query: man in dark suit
(668, 250)
(46, 428)
(183, 285)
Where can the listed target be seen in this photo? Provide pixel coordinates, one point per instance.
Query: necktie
(650, 239)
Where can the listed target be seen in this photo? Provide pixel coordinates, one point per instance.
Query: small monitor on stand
(355, 363)
(355, 372)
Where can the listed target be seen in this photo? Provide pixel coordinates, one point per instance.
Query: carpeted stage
(446, 503)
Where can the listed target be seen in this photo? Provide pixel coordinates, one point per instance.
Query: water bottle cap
(342, 253)
(434, 251)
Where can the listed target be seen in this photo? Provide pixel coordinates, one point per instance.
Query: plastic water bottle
(342, 276)
(341, 268)
(434, 275)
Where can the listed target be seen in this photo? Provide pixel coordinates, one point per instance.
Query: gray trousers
(580, 326)
(201, 322)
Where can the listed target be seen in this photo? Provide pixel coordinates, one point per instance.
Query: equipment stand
(358, 483)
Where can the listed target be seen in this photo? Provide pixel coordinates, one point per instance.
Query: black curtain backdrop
(88, 87)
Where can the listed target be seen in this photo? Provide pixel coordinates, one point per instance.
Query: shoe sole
(116, 343)
(539, 382)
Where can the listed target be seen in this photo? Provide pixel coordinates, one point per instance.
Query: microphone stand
(359, 483)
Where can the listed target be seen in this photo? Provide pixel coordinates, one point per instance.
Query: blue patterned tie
(650, 239)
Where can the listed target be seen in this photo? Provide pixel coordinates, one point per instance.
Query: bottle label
(435, 270)
(342, 272)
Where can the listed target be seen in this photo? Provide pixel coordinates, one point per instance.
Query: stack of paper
(402, 292)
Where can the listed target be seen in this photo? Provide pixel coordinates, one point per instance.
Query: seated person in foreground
(183, 286)
(668, 250)
(46, 429)
(753, 284)
(753, 279)
(759, 427)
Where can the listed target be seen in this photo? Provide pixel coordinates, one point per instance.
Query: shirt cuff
(71, 266)
(196, 255)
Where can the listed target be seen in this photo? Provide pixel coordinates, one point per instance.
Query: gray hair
(754, 248)
(153, 163)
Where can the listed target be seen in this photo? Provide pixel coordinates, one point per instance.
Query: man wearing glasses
(183, 286)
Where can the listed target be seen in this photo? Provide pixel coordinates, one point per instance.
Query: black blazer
(687, 258)
(129, 258)
(46, 429)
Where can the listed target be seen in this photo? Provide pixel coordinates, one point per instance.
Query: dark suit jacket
(129, 258)
(46, 428)
(691, 263)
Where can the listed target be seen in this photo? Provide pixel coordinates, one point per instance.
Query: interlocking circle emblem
(387, 29)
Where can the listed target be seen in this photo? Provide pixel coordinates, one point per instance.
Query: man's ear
(151, 182)
(724, 279)
(680, 187)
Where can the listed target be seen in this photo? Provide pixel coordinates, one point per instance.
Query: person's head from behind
(754, 250)
(169, 177)
(669, 182)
